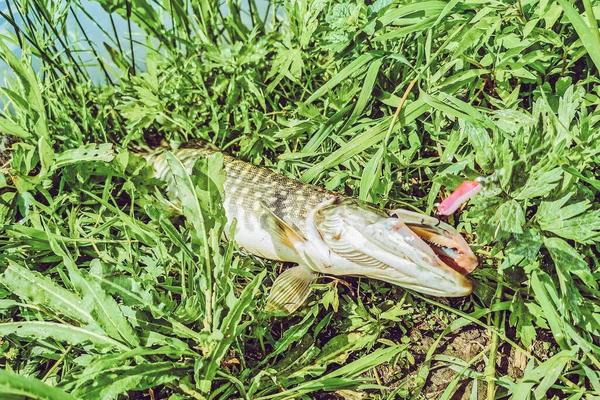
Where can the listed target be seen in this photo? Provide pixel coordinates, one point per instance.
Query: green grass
(104, 293)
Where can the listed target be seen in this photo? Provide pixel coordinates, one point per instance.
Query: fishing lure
(461, 195)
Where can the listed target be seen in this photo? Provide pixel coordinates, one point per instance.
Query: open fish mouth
(403, 247)
(444, 240)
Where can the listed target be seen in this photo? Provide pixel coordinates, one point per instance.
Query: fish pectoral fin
(287, 233)
(290, 289)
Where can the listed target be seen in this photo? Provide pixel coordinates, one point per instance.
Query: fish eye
(394, 216)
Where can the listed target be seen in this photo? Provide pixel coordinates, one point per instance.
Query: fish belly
(253, 237)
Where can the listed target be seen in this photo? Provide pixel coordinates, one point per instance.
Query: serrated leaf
(105, 309)
(567, 262)
(110, 384)
(573, 222)
(511, 217)
(22, 387)
(548, 209)
(540, 183)
(481, 142)
(59, 332)
(568, 259)
(42, 291)
(523, 249)
(521, 318)
(10, 127)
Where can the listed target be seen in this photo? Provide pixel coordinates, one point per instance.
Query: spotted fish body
(252, 195)
(325, 232)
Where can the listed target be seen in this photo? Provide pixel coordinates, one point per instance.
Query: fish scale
(252, 195)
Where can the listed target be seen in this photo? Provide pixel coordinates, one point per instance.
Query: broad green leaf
(118, 381)
(365, 92)
(569, 260)
(363, 364)
(131, 290)
(574, 221)
(42, 291)
(371, 174)
(523, 249)
(186, 194)
(106, 311)
(593, 182)
(544, 290)
(91, 152)
(102, 363)
(9, 127)
(548, 209)
(291, 335)
(510, 216)
(438, 104)
(413, 25)
(59, 332)
(22, 387)
(427, 8)
(521, 318)
(541, 183)
(336, 351)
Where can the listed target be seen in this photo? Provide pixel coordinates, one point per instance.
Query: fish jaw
(347, 237)
(440, 236)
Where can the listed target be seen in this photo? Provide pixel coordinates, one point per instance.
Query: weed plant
(105, 294)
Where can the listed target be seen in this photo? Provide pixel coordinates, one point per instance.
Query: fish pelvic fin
(290, 289)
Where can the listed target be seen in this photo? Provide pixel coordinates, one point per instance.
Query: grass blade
(368, 138)
(353, 68)
(588, 35)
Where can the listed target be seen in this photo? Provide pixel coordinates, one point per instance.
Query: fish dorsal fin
(288, 234)
(290, 289)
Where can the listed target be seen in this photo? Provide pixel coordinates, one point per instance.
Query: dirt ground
(465, 344)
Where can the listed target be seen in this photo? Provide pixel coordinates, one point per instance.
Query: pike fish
(325, 232)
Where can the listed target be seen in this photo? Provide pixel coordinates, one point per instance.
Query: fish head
(400, 247)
